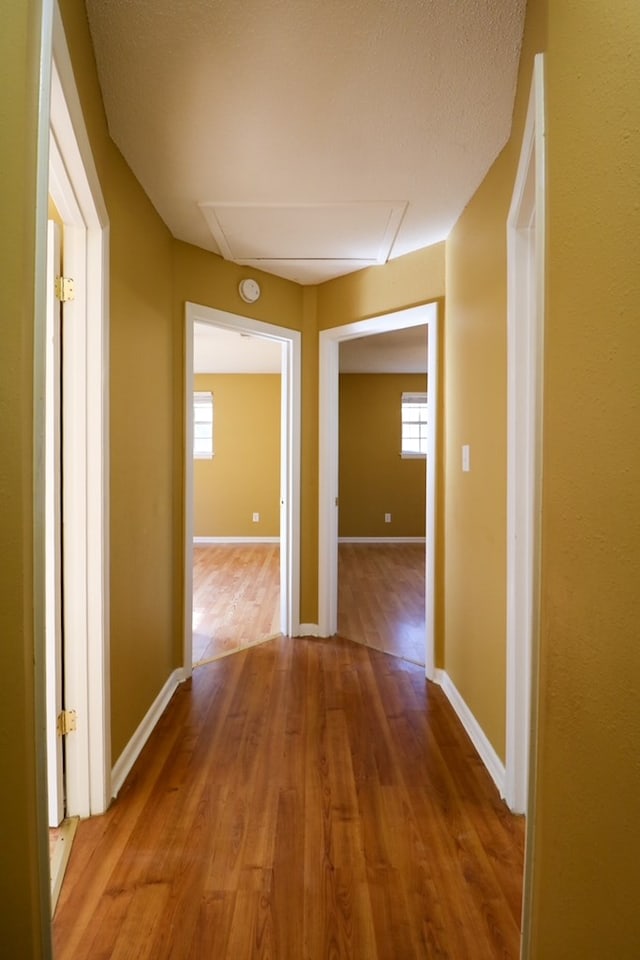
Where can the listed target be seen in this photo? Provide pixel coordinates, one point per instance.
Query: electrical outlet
(387, 518)
(256, 518)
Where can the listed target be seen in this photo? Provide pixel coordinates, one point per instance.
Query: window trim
(414, 396)
(202, 397)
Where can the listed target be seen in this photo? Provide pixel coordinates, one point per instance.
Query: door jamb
(525, 331)
(290, 463)
(328, 455)
(75, 190)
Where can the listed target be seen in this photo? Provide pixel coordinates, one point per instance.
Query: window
(202, 425)
(414, 424)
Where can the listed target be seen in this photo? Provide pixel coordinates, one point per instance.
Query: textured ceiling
(308, 137)
(221, 350)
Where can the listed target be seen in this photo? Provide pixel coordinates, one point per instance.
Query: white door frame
(53, 531)
(525, 329)
(329, 426)
(75, 190)
(290, 341)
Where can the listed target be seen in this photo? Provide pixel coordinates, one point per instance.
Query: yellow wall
(405, 282)
(374, 479)
(586, 850)
(243, 477)
(475, 412)
(24, 922)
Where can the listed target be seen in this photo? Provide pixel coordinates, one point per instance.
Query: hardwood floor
(301, 800)
(236, 597)
(381, 597)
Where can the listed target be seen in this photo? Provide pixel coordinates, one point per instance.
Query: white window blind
(414, 424)
(202, 425)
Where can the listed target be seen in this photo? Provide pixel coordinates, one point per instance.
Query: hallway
(300, 799)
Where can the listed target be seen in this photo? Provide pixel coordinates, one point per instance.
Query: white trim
(53, 531)
(382, 539)
(291, 343)
(476, 734)
(329, 343)
(75, 189)
(60, 858)
(308, 630)
(201, 541)
(124, 764)
(187, 626)
(525, 324)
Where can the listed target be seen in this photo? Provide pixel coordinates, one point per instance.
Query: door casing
(75, 190)
(328, 472)
(53, 531)
(525, 331)
(290, 341)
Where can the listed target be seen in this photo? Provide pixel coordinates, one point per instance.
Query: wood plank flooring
(236, 597)
(300, 800)
(381, 597)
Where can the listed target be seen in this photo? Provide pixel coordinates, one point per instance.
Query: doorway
(330, 340)
(384, 422)
(236, 495)
(289, 342)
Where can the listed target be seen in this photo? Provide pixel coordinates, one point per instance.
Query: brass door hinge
(64, 289)
(67, 722)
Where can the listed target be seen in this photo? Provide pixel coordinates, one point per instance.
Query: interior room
(317, 173)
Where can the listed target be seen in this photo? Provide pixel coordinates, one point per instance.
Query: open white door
(53, 523)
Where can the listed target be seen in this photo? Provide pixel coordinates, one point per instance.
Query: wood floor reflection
(236, 597)
(305, 799)
(381, 597)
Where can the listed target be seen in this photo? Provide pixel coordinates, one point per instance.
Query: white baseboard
(204, 540)
(382, 539)
(60, 857)
(487, 754)
(308, 630)
(131, 752)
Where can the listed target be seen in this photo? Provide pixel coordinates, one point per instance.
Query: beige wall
(24, 922)
(586, 851)
(243, 477)
(405, 282)
(374, 479)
